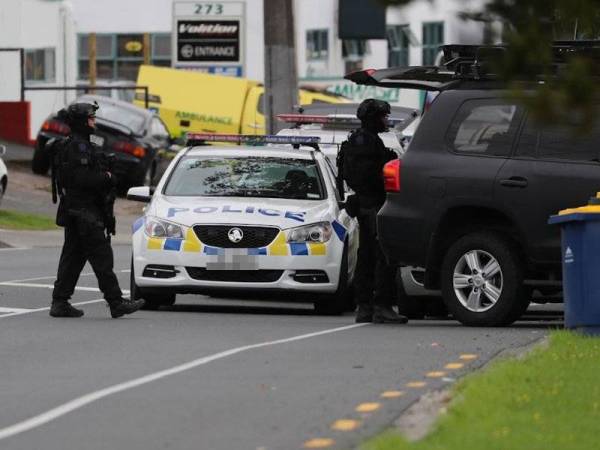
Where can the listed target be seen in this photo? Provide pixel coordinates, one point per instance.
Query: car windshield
(266, 177)
(123, 116)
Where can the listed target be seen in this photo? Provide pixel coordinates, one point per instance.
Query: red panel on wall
(15, 121)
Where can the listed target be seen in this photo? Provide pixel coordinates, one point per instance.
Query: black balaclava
(77, 115)
(372, 114)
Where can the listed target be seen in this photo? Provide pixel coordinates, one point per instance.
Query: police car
(264, 215)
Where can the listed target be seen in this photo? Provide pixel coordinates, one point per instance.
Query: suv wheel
(482, 280)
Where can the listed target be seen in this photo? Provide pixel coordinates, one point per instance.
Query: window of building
(398, 45)
(119, 56)
(161, 49)
(433, 37)
(40, 65)
(355, 49)
(483, 127)
(317, 44)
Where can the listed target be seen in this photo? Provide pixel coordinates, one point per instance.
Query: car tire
(343, 299)
(149, 176)
(40, 162)
(152, 301)
(3, 183)
(141, 175)
(477, 298)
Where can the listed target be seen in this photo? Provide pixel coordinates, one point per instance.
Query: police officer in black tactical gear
(83, 187)
(360, 164)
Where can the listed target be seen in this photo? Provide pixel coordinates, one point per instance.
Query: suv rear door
(553, 168)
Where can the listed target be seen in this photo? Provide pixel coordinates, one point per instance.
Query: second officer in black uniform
(360, 163)
(83, 186)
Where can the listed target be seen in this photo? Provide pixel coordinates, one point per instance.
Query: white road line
(51, 277)
(47, 308)
(51, 286)
(84, 400)
(4, 310)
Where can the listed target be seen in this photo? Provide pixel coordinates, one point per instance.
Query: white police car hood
(282, 213)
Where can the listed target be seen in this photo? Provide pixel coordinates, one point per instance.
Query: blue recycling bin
(580, 230)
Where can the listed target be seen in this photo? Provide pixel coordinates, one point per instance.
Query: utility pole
(92, 59)
(281, 83)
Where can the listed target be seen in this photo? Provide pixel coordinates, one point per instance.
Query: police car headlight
(316, 232)
(162, 229)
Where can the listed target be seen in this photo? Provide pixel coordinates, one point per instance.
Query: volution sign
(208, 40)
(208, 33)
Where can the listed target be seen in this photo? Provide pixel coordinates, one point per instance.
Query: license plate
(98, 140)
(232, 259)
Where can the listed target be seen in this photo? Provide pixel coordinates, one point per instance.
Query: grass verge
(13, 220)
(548, 400)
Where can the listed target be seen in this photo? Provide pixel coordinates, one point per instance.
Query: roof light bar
(332, 119)
(250, 139)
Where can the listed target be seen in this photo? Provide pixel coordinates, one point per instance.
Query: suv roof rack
(463, 63)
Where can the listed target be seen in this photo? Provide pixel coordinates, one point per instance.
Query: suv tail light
(56, 127)
(130, 147)
(391, 176)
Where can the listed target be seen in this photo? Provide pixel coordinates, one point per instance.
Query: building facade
(413, 32)
(56, 34)
(45, 30)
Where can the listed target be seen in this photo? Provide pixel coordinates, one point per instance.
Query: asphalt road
(212, 373)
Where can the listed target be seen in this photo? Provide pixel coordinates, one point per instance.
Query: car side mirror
(140, 194)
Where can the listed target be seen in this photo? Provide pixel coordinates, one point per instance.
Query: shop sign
(134, 46)
(206, 33)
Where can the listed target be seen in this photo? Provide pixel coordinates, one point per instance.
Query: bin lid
(574, 216)
(591, 211)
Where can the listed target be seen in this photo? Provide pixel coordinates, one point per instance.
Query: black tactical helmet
(371, 108)
(81, 112)
(77, 115)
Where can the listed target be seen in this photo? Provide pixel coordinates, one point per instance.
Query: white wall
(33, 24)
(156, 16)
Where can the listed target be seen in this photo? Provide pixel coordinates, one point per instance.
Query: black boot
(385, 314)
(64, 309)
(121, 306)
(364, 314)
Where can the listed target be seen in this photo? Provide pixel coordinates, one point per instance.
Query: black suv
(470, 199)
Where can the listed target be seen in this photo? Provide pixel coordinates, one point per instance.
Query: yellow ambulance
(199, 102)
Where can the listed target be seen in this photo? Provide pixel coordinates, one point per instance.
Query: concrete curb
(418, 420)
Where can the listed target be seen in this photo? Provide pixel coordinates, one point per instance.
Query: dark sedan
(138, 138)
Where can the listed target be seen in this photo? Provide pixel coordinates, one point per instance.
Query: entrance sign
(208, 35)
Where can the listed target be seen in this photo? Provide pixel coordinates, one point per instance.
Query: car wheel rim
(478, 281)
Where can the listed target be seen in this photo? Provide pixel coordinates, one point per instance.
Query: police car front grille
(218, 236)
(239, 276)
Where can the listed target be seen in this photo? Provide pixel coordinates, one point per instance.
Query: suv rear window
(484, 127)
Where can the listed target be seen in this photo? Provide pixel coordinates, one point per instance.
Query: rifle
(106, 162)
(53, 148)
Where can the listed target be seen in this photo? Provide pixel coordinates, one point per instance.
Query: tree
(561, 93)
